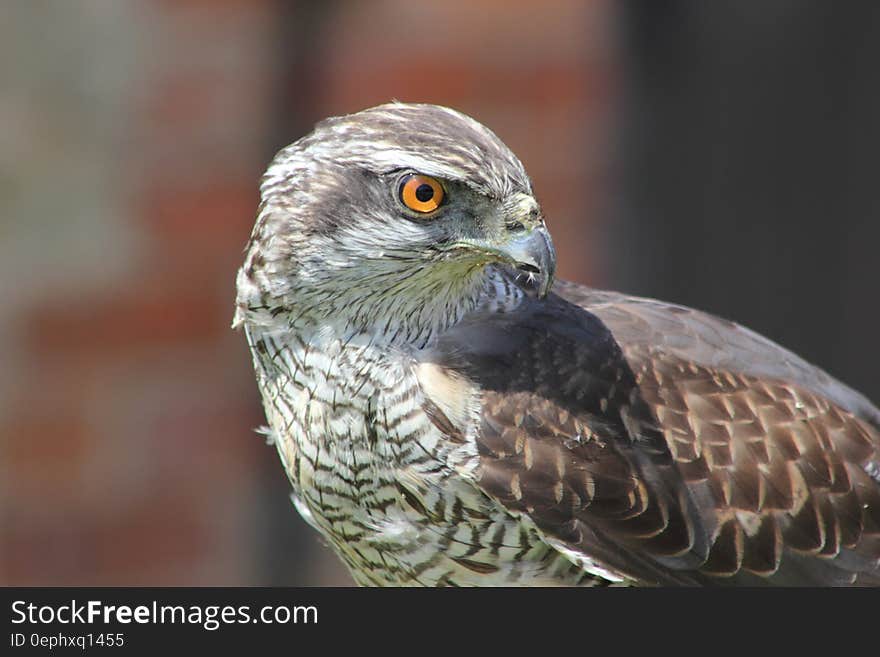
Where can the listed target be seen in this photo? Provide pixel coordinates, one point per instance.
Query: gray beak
(535, 258)
(530, 252)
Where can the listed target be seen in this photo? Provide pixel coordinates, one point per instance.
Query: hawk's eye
(420, 193)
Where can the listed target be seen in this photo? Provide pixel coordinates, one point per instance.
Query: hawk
(448, 415)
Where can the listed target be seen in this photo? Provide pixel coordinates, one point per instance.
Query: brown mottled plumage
(448, 418)
(676, 446)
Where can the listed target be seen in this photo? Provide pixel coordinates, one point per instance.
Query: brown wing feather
(672, 446)
(584, 487)
(783, 447)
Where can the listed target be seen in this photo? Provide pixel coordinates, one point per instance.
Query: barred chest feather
(371, 472)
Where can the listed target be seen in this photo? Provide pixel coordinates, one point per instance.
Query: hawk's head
(392, 219)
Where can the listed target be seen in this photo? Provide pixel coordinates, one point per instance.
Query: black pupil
(424, 192)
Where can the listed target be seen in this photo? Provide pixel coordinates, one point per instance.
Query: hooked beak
(530, 253)
(534, 256)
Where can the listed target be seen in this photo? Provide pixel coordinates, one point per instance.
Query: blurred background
(721, 155)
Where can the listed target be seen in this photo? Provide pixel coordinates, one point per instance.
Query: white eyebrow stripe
(434, 140)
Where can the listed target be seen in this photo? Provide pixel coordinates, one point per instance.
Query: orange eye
(421, 193)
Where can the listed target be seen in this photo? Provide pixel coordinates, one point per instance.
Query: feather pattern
(443, 421)
(670, 445)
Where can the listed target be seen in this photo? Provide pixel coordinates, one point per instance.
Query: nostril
(516, 227)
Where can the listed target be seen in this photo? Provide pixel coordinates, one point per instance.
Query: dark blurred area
(720, 155)
(749, 184)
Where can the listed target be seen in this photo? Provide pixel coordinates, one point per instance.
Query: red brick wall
(127, 406)
(126, 437)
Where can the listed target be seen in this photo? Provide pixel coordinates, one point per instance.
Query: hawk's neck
(400, 320)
